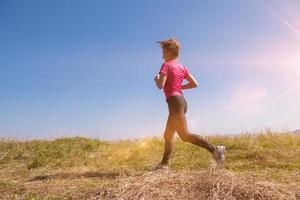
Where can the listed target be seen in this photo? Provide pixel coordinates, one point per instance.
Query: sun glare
(143, 144)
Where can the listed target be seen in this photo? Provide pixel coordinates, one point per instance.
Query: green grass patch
(245, 152)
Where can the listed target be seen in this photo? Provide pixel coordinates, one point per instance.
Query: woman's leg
(185, 135)
(180, 125)
(169, 140)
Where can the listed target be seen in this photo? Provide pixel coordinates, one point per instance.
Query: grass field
(261, 166)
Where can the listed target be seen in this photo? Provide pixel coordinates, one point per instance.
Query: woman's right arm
(192, 83)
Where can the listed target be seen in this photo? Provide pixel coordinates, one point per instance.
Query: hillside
(296, 131)
(262, 166)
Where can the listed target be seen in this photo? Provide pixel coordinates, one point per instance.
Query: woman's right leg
(169, 140)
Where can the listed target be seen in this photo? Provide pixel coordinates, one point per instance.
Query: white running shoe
(219, 154)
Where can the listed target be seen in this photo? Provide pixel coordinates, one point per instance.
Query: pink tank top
(175, 73)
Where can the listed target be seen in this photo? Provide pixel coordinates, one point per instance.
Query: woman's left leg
(186, 136)
(180, 125)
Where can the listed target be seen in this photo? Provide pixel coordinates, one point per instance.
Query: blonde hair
(171, 45)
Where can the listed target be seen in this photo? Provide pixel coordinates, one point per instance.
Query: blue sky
(86, 67)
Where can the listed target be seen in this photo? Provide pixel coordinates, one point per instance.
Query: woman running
(170, 78)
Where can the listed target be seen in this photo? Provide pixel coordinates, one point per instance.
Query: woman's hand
(156, 77)
(192, 83)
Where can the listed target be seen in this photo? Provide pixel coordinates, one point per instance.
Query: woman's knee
(184, 136)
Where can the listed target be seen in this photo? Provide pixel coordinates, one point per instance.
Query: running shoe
(219, 154)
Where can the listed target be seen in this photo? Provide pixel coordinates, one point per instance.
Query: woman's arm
(192, 83)
(160, 80)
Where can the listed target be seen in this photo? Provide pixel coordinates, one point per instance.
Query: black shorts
(177, 105)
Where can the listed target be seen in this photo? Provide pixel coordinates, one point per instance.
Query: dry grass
(211, 184)
(264, 166)
(214, 185)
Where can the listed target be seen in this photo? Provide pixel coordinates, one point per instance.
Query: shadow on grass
(74, 175)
